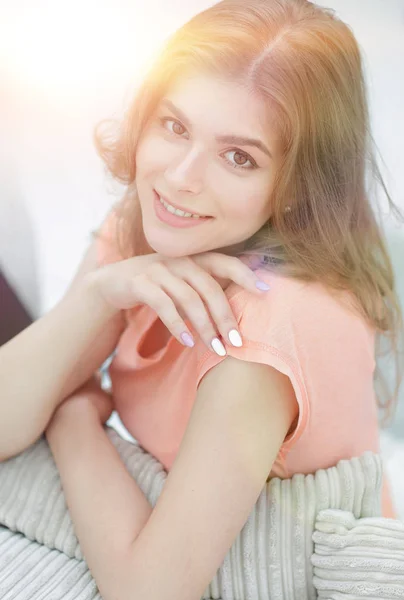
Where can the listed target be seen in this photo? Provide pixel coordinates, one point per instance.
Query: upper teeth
(177, 211)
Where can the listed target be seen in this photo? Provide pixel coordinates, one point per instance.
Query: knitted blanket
(307, 537)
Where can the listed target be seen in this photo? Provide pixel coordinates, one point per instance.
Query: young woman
(244, 156)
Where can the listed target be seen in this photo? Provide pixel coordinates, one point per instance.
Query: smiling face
(192, 154)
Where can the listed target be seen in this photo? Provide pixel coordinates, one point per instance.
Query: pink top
(298, 328)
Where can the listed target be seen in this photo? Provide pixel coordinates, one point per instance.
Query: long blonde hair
(307, 64)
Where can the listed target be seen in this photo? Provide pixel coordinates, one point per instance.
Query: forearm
(107, 507)
(35, 365)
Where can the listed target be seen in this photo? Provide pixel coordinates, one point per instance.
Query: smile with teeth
(178, 212)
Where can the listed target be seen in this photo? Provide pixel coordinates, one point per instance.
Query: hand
(88, 400)
(177, 288)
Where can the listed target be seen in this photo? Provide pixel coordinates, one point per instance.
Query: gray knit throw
(273, 557)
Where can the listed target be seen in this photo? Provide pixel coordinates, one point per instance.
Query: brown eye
(240, 158)
(177, 126)
(175, 123)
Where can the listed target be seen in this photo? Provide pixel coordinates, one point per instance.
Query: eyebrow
(226, 139)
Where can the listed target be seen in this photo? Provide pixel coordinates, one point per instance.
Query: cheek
(259, 199)
(151, 154)
(247, 207)
(262, 203)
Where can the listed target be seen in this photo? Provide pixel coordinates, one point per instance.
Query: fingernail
(218, 347)
(187, 339)
(261, 285)
(235, 338)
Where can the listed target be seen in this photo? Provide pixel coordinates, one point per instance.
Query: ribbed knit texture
(358, 558)
(271, 558)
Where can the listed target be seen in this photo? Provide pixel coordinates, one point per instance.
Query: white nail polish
(218, 347)
(235, 338)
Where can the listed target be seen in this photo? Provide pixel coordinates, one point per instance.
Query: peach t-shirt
(325, 349)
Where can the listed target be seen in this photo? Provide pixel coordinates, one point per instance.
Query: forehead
(218, 106)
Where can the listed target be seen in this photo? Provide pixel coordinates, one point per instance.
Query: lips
(174, 220)
(186, 210)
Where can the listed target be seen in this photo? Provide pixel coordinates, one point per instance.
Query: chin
(168, 248)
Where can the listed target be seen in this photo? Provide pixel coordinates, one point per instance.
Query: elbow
(122, 580)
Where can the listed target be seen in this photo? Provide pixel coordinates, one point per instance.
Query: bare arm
(52, 357)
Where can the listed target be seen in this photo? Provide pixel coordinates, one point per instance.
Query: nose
(185, 173)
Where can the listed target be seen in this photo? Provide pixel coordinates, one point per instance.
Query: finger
(219, 309)
(148, 292)
(186, 297)
(231, 267)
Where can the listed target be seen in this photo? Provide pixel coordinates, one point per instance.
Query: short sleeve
(305, 333)
(106, 240)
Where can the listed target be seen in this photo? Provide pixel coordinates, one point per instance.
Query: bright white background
(66, 64)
